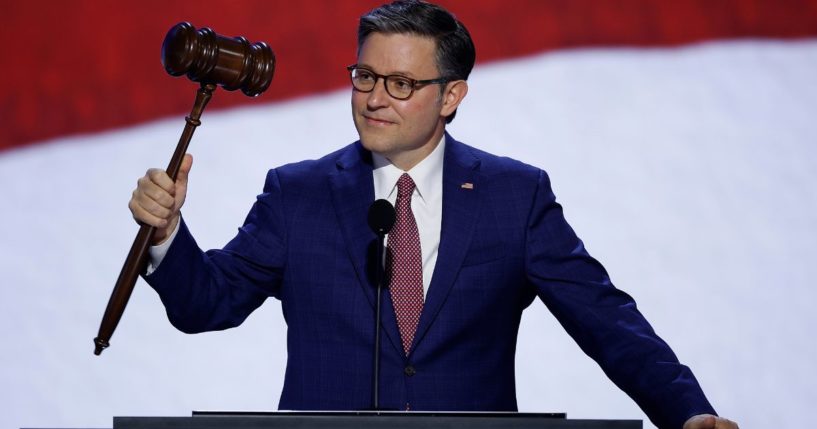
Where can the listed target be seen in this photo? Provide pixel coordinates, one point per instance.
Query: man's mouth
(376, 121)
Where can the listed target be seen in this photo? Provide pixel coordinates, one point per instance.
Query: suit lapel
(352, 191)
(461, 190)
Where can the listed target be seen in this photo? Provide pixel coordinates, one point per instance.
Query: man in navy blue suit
(477, 239)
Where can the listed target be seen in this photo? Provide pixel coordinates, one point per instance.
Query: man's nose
(378, 97)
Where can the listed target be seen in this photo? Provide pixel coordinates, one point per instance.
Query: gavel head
(207, 57)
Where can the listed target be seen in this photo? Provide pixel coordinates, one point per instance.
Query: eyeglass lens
(396, 86)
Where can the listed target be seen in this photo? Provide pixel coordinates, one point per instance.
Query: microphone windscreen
(381, 217)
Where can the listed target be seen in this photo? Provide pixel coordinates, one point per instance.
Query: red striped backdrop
(80, 66)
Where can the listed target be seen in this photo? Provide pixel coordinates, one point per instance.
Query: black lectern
(370, 420)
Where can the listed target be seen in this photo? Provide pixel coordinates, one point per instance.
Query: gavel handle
(137, 257)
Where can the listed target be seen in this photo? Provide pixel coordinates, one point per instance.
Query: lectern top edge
(504, 414)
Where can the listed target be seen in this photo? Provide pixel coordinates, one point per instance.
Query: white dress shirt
(426, 204)
(426, 200)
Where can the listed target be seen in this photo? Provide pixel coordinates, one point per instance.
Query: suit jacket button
(410, 371)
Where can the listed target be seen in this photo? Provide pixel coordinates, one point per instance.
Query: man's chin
(375, 143)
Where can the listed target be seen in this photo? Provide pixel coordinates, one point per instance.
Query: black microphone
(381, 217)
(381, 220)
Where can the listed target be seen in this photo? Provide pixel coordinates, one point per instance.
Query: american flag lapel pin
(467, 185)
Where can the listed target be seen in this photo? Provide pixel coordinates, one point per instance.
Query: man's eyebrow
(391, 73)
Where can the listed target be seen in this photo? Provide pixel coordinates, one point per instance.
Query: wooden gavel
(211, 60)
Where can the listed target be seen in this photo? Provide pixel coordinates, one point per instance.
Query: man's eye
(364, 76)
(401, 84)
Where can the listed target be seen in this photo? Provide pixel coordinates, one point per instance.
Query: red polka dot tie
(405, 265)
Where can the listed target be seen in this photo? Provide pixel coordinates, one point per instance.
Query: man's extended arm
(604, 321)
(212, 290)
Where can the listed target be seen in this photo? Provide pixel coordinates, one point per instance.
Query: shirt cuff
(157, 253)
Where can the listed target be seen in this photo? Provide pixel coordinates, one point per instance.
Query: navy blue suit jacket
(504, 242)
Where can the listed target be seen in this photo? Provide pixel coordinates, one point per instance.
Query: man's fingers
(143, 216)
(148, 205)
(155, 208)
(701, 421)
(723, 423)
(181, 180)
(184, 169)
(160, 197)
(708, 421)
(160, 178)
(157, 199)
(146, 189)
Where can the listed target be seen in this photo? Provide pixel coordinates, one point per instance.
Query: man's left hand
(708, 421)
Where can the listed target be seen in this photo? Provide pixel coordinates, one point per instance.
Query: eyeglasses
(397, 86)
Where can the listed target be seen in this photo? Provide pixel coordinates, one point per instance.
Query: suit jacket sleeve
(218, 289)
(603, 320)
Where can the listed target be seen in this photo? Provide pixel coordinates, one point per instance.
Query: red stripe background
(80, 66)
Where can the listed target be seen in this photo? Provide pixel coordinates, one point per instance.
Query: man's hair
(455, 50)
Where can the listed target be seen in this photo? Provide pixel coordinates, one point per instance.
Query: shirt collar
(427, 174)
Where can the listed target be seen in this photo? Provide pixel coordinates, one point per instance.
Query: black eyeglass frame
(414, 82)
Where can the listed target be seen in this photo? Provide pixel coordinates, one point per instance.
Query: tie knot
(405, 186)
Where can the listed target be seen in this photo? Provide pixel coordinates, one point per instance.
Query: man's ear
(452, 97)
